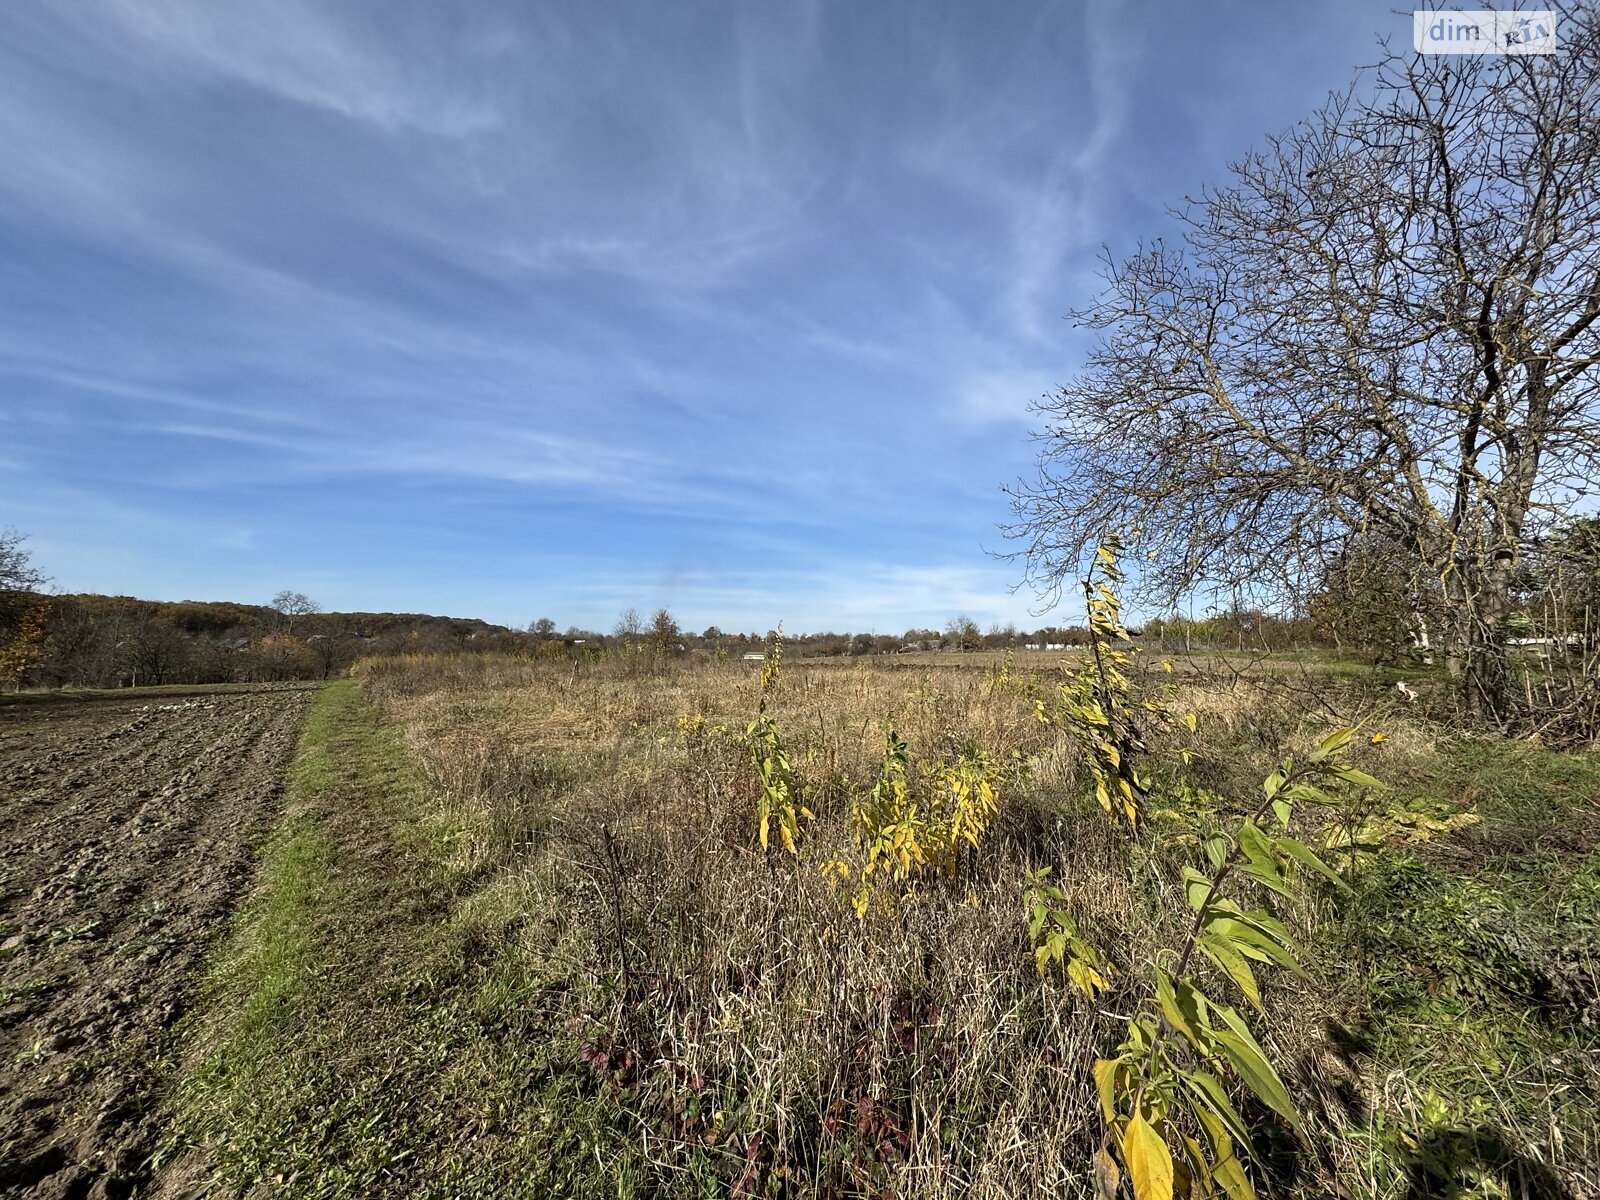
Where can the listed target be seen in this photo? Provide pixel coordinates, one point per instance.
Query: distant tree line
(1374, 601)
(661, 632)
(117, 641)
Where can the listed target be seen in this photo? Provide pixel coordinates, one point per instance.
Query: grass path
(352, 1039)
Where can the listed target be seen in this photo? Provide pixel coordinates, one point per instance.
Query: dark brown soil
(127, 825)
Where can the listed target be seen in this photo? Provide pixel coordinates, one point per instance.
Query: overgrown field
(518, 935)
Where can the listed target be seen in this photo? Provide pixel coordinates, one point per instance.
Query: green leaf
(1303, 854)
(1105, 1081)
(1141, 1035)
(1309, 793)
(1258, 861)
(1229, 1173)
(1268, 924)
(1250, 1061)
(1213, 1097)
(1149, 1162)
(1184, 1008)
(1332, 744)
(1216, 1135)
(1247, 938)
(1359, 778)
(1269, 878)
(1191, 1170)
(1256, 845)
(1220, 950)
(1196, 888)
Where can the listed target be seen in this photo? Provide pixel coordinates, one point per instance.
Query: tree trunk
(1485, 677)
(1422, 643)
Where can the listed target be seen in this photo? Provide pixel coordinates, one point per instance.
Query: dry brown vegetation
(744, 1032)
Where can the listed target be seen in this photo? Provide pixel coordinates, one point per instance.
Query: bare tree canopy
(1385, 323)
(630, 625)
(295, 604)
(292, 605)
(17, 573)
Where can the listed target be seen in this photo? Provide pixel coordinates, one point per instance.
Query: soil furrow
(126, 832)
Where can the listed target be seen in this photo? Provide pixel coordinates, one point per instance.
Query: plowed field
(126, 832)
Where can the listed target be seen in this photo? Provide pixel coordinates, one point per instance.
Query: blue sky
(516, 309)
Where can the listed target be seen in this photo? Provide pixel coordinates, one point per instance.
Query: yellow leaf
(1087, 978)
(1149, 1162)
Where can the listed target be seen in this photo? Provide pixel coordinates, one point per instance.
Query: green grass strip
(343, 1046)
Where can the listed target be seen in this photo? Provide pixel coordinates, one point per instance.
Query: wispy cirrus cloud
(1003, 395)
(473, 306)
(316, 55)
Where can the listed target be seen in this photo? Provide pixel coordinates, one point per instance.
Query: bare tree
(1565, 570)
(290, 605)
(630, 626)
(1385, 323)
(1375, 596)
(963, 633)
(17, 573)
(151, 650)
(24, 616)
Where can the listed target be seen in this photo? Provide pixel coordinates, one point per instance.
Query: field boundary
(343, 1044)
(275, 997)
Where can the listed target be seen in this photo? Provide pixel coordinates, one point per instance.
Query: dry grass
(750, 1031)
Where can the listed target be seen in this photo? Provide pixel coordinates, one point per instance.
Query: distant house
(1544, 645)
(754, 656)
